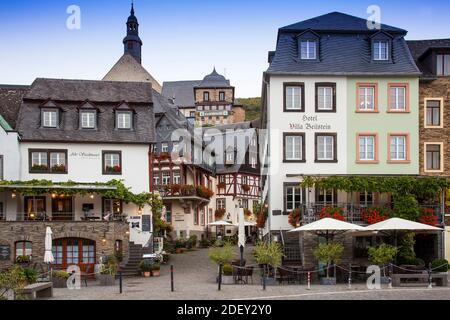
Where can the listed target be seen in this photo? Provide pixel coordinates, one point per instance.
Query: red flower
(295, 218)
(332, 212)
(428, 216)
(374, 215)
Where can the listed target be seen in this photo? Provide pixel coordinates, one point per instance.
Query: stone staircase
(131, 267)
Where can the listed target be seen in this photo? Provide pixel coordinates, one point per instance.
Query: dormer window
(443, 64)
(50, 118)
(229, 157)
(124, 120)
(308, 49)
(88, 119)
(381, 50)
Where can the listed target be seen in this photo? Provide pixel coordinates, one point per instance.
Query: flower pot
(227, 280)
(328, 281)
(147, 274)
(178, 250)
(107, 279)
(156, 273)
(59, 282)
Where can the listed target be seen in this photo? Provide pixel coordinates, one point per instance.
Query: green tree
(382, 255)
(329, 253)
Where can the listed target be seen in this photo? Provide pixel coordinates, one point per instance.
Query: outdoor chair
(86, 274)
(285, 275)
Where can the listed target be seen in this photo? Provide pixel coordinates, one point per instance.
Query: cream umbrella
(48, 256)
(398, 224)
(220, 223)
(241, 232)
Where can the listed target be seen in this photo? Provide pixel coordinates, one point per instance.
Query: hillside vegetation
(252, 107)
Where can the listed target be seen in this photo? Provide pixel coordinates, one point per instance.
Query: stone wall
(439, 88)
(11, 232)
(214, 94)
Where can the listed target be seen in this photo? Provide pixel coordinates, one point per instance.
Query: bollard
(309, 281)
(264, 278)
(350, 276)
(171, 278)
(120, 282)
(220, 277)
(391, 272)
(430, 285)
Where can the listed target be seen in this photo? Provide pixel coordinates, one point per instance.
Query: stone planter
(156, 273)
(59, 282)
(107, 279)
(227, 280)
(328, 281)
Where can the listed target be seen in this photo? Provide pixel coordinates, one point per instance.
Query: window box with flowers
(221, 185)
(428, 216)
(113, 170)
(175, 188)
(219, 214)
(188, 190)
(164, 156)
(36, 168)
(247, 212)
(295, 218)
(246, 187)
(375, 215)
(204, 192)
(332, 212)
(61, 168)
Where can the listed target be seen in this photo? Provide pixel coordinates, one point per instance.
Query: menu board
(146, 223)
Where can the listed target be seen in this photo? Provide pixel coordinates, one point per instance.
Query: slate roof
(163, 107)
(337, 21)
(10, 101)
(181, 91)
(128, 69)
(214, 80)
(419, 50)
(69, 95)
(344, 49)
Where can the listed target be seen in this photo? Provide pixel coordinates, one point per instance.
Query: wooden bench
(37, 290)
(441, 279)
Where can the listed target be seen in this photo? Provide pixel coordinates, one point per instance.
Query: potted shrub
(329, 253)
(269, 256)
(59, 278)
(30, 274)
(439, 265)
(221, 255)
(179, 246)
(204, 192)
(204, 243)
(108, 271)
(382, 255)
(146, 268)
(156, 269)
(227, 274)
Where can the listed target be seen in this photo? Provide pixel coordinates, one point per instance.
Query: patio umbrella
(328, 227)
(241, 238)
(247, 224)
(48, 256)
(220, 223)
(398, 224)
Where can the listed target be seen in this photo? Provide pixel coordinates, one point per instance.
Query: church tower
(132, 43)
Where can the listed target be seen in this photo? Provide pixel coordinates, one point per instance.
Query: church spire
(132, 43)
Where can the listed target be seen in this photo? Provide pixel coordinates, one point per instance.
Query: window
(433, 157)
(367, 146)
(221, 179)
(71, 251)
(176, 177)
(294, 147)
(168, 213)
(398, 98)
(367, 100)
(253, 162)
(112, 162)
(433, 113)
(221, 96)
(24, 248)
(326, 197)
(293, 195)
(112, 207)
(325, 97)
(164, 147)
(88, 119)
(443, 64)
(196, 213)
(35, 207)
(308, 49)
(206, 96)
(165, 178)
(366, 199)
(398, 148)
(50, 118)
(293, 97)
(48, 161)
(230, 157)
(381, 50)
(124, 121)
(326, 147)
(221, 204)
(192, 114)
(156, 179)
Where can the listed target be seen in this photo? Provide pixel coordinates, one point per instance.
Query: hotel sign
(213, 113)
(85, 155)
(310, 123)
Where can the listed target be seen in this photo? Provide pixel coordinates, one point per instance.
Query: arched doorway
(74, 251)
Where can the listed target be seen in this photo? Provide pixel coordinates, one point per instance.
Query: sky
(183, 39)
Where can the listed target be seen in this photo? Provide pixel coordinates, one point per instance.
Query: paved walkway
(195, 280)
